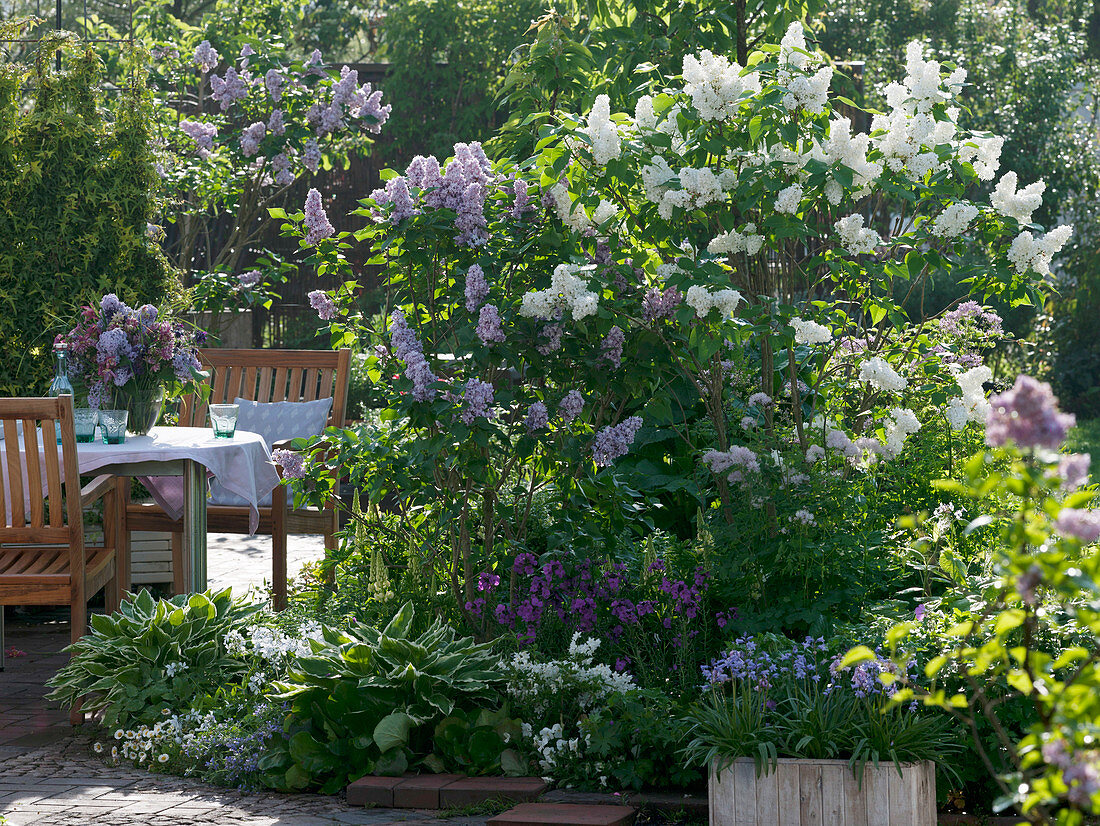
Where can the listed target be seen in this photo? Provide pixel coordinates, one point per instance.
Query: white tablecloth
(242, 464)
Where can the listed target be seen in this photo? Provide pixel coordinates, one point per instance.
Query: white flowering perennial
(566, 292)
(954, 220)
(879, 374)
(841, 148)
(601, 131)
(1017, 204)
(804, 90)
(703, 301)
(716, 86)
(973, 406)
(810, 332)
(734, 242)
(854, 237)
(1030, 253)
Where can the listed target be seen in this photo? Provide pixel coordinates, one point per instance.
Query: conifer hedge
(77, 190)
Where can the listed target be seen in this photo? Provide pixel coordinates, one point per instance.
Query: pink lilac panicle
(316, 220)
(1028, 416)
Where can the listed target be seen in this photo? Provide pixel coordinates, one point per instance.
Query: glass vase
(144, 403)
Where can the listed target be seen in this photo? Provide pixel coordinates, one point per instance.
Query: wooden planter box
(822, 793)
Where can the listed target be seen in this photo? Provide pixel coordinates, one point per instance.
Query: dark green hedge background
(77, 189)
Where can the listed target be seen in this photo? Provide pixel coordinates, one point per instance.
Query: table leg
(194, 525)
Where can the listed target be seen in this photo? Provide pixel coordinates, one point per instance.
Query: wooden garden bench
(43, 558)
(261, 376)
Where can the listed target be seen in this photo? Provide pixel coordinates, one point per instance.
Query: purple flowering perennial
(1028, 416)
(206, 57)
(249, 279)
(523, 202)
(250, 141)
(1079, 523)
(273, 82)
(657, 305)
(614, 441)
(202, 134)
(231, 88)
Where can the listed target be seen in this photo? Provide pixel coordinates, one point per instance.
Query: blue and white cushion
(276, 422)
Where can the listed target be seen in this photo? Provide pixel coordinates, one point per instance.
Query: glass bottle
(61, 386)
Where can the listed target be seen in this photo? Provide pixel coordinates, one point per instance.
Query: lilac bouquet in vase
(125, 359)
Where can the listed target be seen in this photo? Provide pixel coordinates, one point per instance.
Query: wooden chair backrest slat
(27, 493)
(273, 376)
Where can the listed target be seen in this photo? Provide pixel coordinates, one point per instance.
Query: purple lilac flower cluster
(348, 100)
(970, 317)
(611, 348)
(202, 134)
(1080, 771)
(322, 302)
(1028, 416)
(462, 186)
(614, 441)
(316, 221)
(405, 347)
(231, 88)
(477, 288)
(523, 202)
(537, 417)
(115, 345)
(206, 57)
(478, 401)
(489, 327)
(571, 406)
(292, 462)
(657, 305)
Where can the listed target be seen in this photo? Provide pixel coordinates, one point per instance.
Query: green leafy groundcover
(77, 178)
(380, 702)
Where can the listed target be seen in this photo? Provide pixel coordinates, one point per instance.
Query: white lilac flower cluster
(854, 237)
(690, 188)
(1030, 253)
(954, 220)
(804, 90)
(601, 131)
(788, 199)
(973, 405)
(879, 374)
(1017, 204)
(566, 292)
(715, 85)
(903, 422)
(733, 242)
(910, 131)
(703, 301)
(810, 332)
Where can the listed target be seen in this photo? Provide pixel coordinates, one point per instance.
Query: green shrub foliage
(76, 180)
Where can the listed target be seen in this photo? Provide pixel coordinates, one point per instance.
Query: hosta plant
(152, 655)
(368, 701)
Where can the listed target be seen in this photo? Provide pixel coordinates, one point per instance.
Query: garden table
(173, 463)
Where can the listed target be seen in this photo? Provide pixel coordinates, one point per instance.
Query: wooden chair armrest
(96, 489)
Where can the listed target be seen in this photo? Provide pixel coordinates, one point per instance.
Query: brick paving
(49, 775)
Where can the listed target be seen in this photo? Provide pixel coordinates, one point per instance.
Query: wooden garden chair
(262, 376)
(43, 558)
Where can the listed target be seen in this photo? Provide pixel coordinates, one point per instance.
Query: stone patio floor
(49, 775)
